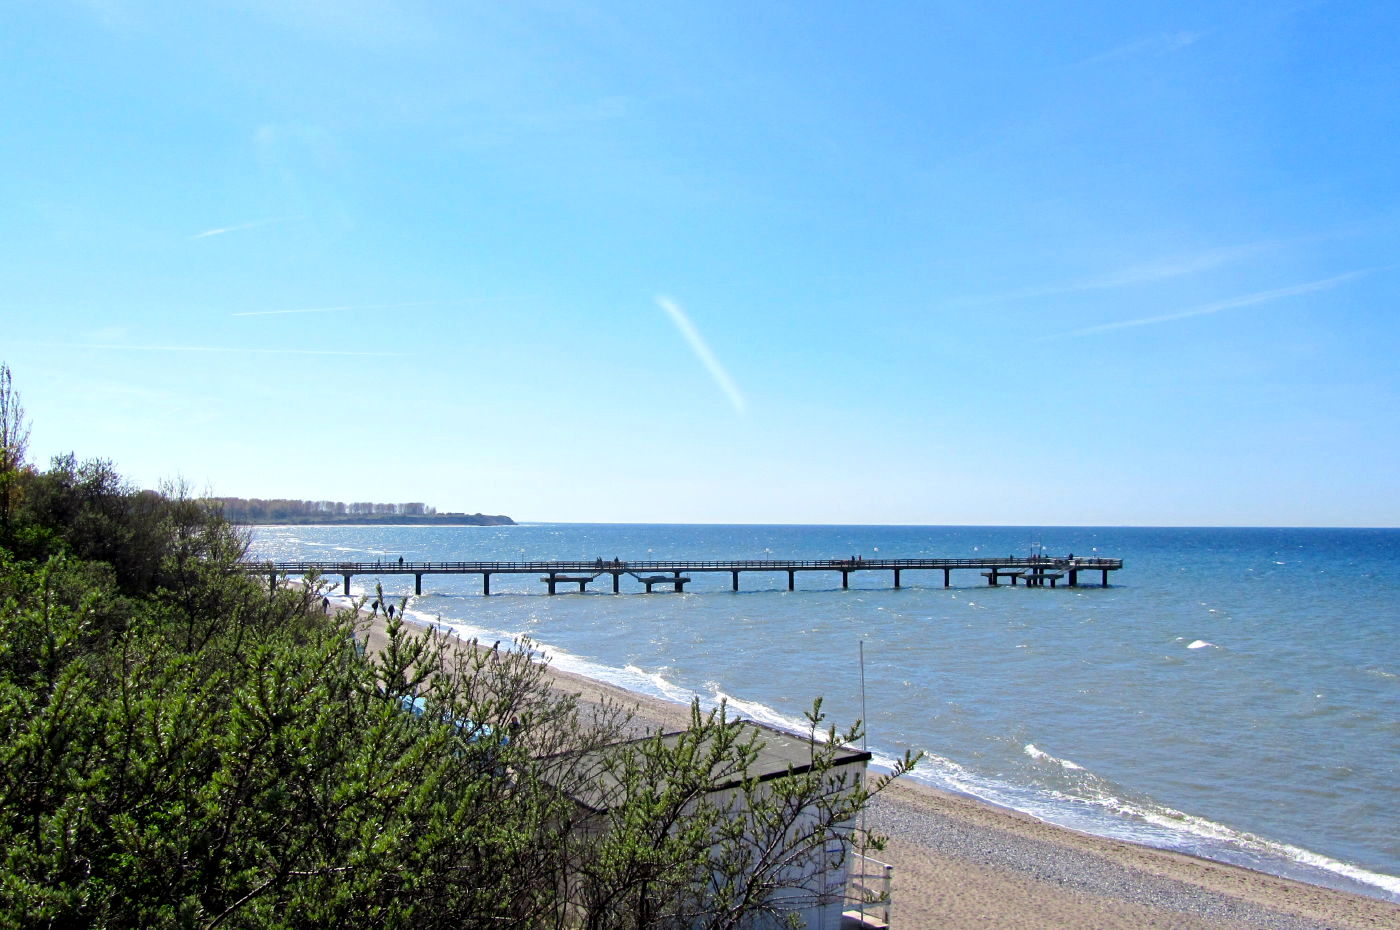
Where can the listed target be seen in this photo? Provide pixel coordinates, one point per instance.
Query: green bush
(183, 746)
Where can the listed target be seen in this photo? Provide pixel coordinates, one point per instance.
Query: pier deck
(1035, 571)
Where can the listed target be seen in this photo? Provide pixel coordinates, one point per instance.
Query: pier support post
(845, 579)
(1105, 577)
(486, 584)
(617, 580)
(896, 577)
(792, 579)
(1074, 578)
(346, 589)
(417, 583)
(551, 582)
(947, 574)
(736, 580)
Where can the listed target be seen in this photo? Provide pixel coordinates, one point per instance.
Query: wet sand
(961, 863)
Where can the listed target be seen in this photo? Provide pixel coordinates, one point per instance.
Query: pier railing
(1035, 571)
(392, 566)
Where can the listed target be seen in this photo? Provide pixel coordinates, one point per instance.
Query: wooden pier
(1034, 571)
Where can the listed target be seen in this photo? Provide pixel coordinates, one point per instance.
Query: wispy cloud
(226, 350)
(220, 230)
(599, 110)
(373, 23)
(1146, 273)
(702, 352)
(106, 334)
(1161, 44)
(109, 12)
(1248, 300)
(343, 308)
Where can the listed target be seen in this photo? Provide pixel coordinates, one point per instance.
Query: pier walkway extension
(1035, 571)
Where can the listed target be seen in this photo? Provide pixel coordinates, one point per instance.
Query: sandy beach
(961, 863)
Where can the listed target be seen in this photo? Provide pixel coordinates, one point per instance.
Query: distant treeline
(257, 510)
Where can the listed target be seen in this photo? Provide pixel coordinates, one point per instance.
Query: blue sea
(1234, 694)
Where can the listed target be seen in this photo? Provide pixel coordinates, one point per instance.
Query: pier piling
(1035, 571)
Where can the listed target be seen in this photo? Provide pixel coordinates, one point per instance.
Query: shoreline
(961, 862)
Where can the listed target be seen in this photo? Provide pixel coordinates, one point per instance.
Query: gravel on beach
(1082, 871)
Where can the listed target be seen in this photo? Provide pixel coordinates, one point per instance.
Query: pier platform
(1033, 571)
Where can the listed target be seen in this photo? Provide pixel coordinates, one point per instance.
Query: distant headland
(293, 512)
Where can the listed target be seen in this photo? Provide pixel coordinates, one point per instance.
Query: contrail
(1247, 300)
(219, 231)
(702, 352)
(1145, 273)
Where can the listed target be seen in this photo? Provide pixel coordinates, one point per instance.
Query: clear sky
(963, 262)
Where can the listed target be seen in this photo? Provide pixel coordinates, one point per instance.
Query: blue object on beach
(469, 730)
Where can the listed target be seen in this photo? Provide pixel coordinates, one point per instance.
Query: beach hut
(812, 885)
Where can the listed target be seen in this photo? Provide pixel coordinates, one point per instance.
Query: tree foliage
(14, 438)
(183, 746)
(288, 511)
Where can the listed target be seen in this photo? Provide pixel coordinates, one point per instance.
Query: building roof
(779, 753)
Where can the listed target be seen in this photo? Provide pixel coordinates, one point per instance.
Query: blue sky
(715, 262)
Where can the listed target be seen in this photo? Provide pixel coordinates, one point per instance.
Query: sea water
(1234, 693)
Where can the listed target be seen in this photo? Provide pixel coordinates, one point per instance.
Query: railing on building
(869, 893)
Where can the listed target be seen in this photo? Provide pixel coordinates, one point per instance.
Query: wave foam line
(1097, 809)
(1102, 813)
(1041, 756)
(1162, 828)
(1175, 820)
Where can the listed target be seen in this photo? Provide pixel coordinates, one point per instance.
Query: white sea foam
(460, 628)
(762, 713)
(1144, 821)
(1223, 838)
(661, 685)
(1042, 756)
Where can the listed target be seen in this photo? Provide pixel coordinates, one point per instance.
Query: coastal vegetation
(286, 511)
(182, 745)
